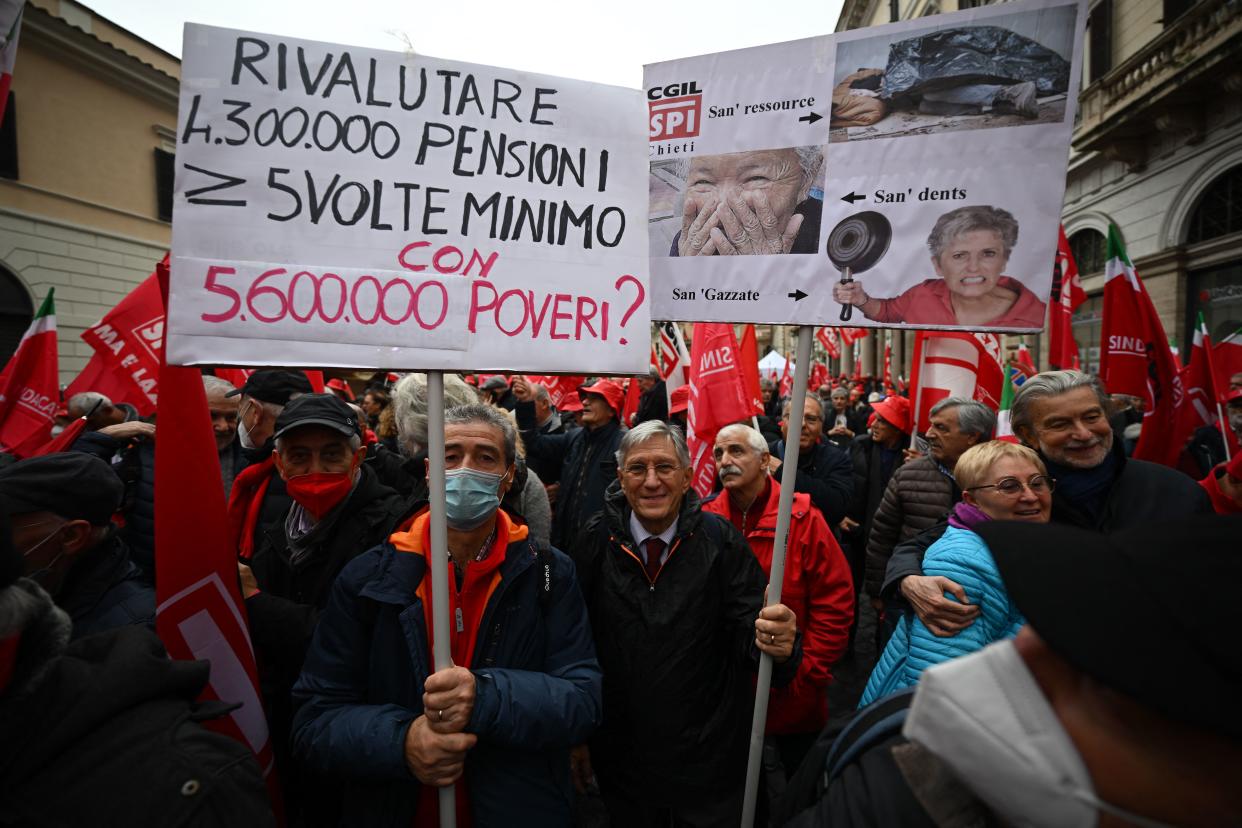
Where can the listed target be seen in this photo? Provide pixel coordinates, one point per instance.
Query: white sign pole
(789, 473)
(439, 556)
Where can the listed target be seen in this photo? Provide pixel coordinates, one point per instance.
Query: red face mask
(320, 492)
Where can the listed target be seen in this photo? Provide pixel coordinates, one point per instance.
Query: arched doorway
(16, 311)
(1214, 237)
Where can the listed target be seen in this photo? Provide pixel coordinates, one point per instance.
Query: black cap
(71, 484)
(1147, 611)
(271, 385)
(326, 410)
(495, 383)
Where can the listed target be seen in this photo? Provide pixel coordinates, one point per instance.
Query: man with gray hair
(1064, 416)
(921, 493)
(676, 603)
(756, 202)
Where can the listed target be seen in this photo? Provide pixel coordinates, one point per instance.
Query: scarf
(1085, 488)
(967, 516)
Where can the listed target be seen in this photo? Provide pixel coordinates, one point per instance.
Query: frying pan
(856, 244)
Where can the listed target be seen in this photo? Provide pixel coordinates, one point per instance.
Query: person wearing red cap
(586, 455)
(1224, 486)
(679, 407)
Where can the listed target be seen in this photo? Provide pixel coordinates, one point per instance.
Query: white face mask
(243, 433)
(985, 717)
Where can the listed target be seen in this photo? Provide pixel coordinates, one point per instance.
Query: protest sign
(345, 207)
(908, 175)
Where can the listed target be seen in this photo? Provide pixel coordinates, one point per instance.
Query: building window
(164, 173)
(1174, 9)
(8, 140)
(971, 4)
(1217, 294)
(1087, 326)
(1090, 251)
(1099, 40)
(1219, 211)
(16, 311)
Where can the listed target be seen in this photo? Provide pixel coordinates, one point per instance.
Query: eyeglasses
(639, 471)
(1012, 486)
(812, 418)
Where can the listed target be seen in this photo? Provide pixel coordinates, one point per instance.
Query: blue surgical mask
(471, 497)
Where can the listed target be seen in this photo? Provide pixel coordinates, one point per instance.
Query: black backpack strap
(874, 723)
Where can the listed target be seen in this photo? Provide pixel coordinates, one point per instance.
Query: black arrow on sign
(812, 117)
(797, 295)
(852, 196)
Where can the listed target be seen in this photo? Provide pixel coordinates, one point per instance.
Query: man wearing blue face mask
(526, 685)
(60, 507)
(1116, 705)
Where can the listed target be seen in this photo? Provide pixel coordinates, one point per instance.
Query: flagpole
(789, 473)
(1221, 422)
(439, 556)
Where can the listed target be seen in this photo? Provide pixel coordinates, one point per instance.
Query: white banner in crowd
(351, 207)
(908, 175)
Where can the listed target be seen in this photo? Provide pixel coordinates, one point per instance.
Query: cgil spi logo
(674, 110)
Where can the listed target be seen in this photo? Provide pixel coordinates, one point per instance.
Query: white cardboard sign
(928, 157)
(339, 206)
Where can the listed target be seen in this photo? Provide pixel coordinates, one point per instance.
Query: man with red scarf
(525, 684)
(339, 510)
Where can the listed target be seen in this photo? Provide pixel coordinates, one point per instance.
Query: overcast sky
(593, 40)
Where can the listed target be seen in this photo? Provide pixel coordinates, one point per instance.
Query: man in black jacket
(653, 402)
(585, 455)
(61, 507)
(676, 604)
(1064, 416)
(339, 510)
(824, 471)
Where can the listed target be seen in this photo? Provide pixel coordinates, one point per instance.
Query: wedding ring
(440, 713)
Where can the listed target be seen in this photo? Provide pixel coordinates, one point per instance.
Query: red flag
(888, 367)
(830, 338)
(1025, 362)
(954, 364)
(1135, 357)
(674, 360)
(1067, 295)
(1200, 400)
(199, 608)
(1227, 360)
(130, 341)
(30, 387)
(748, 358)
(717, 396)
(630, 407)
(236, 376)
(786, 383)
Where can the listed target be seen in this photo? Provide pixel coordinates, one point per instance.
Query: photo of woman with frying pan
(970, 247)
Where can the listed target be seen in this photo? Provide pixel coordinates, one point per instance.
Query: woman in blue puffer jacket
(999, 481)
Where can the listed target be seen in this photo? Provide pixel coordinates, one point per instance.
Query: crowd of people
(970, 630)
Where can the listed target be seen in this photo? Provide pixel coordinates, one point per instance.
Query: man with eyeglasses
(824, 471)
(676, 603)
(1063, 415)
(258, 498)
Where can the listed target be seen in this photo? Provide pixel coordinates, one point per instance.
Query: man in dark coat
(586, 455)
(339, 510)
(824, 471)
(1064, 416)
(653, 402)
(105, 729)
(676, 603)
(548, 421)
(525, 685)
(61, 507)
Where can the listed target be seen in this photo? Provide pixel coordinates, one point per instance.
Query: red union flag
(199, 611)
(130, 340)
(29, 386)
(830, 338)
(1135, 357)
(955, 364)
(717, 396)
(748, 355)
(1067, 294)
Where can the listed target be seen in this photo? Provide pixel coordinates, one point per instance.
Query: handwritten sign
(908, 175)
(352, 207)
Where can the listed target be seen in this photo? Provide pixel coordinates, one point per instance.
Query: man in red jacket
(817, 585)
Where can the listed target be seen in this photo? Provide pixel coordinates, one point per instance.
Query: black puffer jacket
(677, 653)
(588, 466)
(825, 474)
(870, 481)
(106, 731)
(919, 495)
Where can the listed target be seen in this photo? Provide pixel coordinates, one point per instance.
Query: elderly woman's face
(775, 173)
(971, 263)
(1026, 505)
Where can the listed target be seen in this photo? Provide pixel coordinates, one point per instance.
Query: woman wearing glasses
(999, 481)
